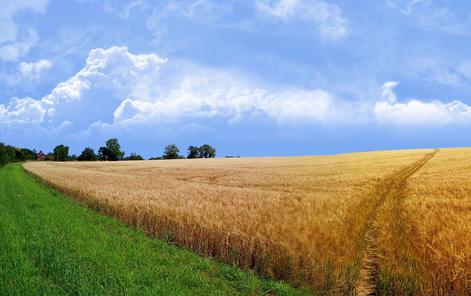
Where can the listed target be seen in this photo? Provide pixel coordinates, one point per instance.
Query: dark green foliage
(103, 153)
(61, 153)
(112, 151)
(4, 159)
(88, 154)
(133, 156)
(28, 154)
(50, 245)
(11, 154)
(205, 151)
(193, 152)
(171, 152)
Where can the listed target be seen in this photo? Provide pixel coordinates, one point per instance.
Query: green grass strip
(50, 245)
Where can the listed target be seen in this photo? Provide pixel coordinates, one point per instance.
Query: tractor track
(390, 188)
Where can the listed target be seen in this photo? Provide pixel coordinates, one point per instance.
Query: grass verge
(50, 245)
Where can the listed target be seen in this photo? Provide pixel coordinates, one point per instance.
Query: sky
(250, 77)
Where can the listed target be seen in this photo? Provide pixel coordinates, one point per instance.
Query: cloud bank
(117, 87)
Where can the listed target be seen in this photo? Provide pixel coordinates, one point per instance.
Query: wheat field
(393, 222)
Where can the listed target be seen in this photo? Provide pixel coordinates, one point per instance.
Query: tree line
(111, 151)
(12, 154)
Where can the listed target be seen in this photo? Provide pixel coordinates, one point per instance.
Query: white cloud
(388, 91)
(122, 89)
(123, 10)
(12, 51)
(433, 69)
(218, 96)
(33, 71)
(12, 44)
(200, 11)
(328, 18)
(118, 87)
(417, 112)
(432, 16)
(91, 93)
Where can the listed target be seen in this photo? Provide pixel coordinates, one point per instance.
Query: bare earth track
(391, 188)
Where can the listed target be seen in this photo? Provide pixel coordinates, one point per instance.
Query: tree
(3, 155)
(28, 154)
(87, 155)
(103, 153)
(134, 156)
(207, 151)
(193, 152)
(61, 153)
(171, 152)
(112, 151)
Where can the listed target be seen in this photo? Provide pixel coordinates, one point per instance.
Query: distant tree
(61, 153)
(193, 152)
(207, 151)
(73, 157)
(13, 153)
(155, 158)
(87, 155)
(4, 159)
(134, 156)
(112, 151)
(28, 154)
(103, 153)
(171, 152)
(50, 156)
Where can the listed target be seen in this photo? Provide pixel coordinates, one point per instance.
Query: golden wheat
(427, 249)
(301, 219)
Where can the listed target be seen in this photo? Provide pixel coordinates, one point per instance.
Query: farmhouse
(40, 156)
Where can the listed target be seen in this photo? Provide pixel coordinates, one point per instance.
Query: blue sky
(251, 77)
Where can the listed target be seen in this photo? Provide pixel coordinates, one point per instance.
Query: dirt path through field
(390, 188)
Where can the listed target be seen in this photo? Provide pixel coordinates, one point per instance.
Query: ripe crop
(312, 221)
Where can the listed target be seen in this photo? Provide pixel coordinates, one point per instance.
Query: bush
(134, 156)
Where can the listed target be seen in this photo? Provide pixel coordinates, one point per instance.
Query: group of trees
(205, 151)
(110, 152)
(11, 154)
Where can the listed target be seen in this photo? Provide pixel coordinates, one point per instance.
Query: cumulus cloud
(122, 89)
(91, 93)
(417, 112)
(118, 87)
(33, 71)
(327, 18)
(13, 45)
(213, 96)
